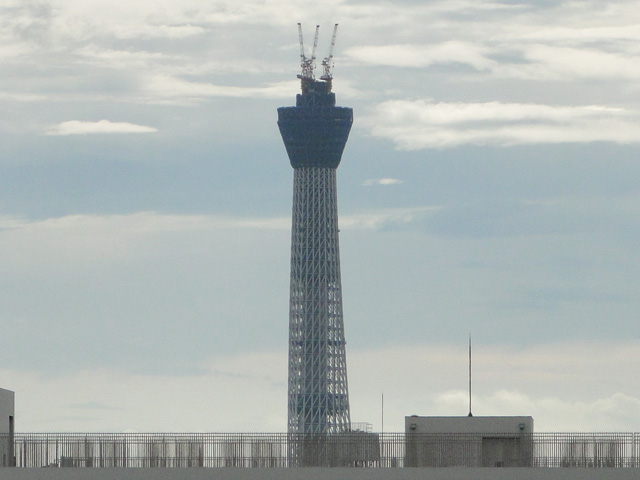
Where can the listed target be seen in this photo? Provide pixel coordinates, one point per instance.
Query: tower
(315, 132)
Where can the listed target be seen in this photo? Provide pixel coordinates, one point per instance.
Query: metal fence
(357, 449)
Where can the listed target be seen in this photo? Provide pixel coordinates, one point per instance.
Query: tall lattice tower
(315, 132)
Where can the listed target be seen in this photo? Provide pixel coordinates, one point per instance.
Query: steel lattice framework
(315, 132)
(318, 398)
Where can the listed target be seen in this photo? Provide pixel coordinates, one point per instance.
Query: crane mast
(315, 46)
(308, 64)
(327, 63)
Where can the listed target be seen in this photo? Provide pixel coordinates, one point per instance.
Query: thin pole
(470, 414)
(382, 428)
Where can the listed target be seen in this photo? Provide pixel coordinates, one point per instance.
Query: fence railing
(357, 449)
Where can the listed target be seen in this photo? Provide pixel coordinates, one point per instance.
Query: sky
(489, 188)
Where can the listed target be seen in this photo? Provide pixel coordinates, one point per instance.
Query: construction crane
(327, 63)
(308, 64)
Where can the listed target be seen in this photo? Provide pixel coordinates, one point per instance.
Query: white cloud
(76, 127)
(554, 62)
(382, 181)
(519, 43)
(145, 19)
(96, 55)
(415, 125)
(158, 31)
(383, 218)
(103, 241)
(89, 228)
(21, 97)
(420, 56)
(167, 89)
(578, 35)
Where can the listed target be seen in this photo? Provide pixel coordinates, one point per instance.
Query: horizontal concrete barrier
(320, 474)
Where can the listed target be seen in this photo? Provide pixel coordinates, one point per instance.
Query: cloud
(610, 412)
(30, 20)
(168, 89)
(578, 35)
(21, 97)
(81, 240)
(179, 284)
(76, 127)
(569, 386)
(93, 405)
(562, 63)
(158, 31)
(421, 124)
(520, 42)
(384, 218)
(382, 181)
(178, 276)
(565, 387)
(95, 55)
(146, 19)
(126, 401)
(420, 56)
(142, 222)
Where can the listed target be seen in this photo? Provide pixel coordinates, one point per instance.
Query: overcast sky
(490, 186)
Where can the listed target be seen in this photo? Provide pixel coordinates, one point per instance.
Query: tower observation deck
(315, 133)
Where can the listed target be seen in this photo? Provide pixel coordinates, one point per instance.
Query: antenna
(470, 414)
(382, 407)
(382, 427)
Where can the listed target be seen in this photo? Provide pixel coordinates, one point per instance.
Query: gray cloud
(30, 20)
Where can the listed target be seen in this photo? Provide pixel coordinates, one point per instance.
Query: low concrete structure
(7, 413)
(469, 441)
(321, 474)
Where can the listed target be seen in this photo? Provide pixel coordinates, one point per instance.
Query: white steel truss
(318, 400)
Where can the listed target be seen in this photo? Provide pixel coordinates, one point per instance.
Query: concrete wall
(7, 412)
(321, 474)
(502, 425)
(7, 408)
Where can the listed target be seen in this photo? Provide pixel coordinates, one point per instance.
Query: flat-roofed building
(468, 441)
(7, 409)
